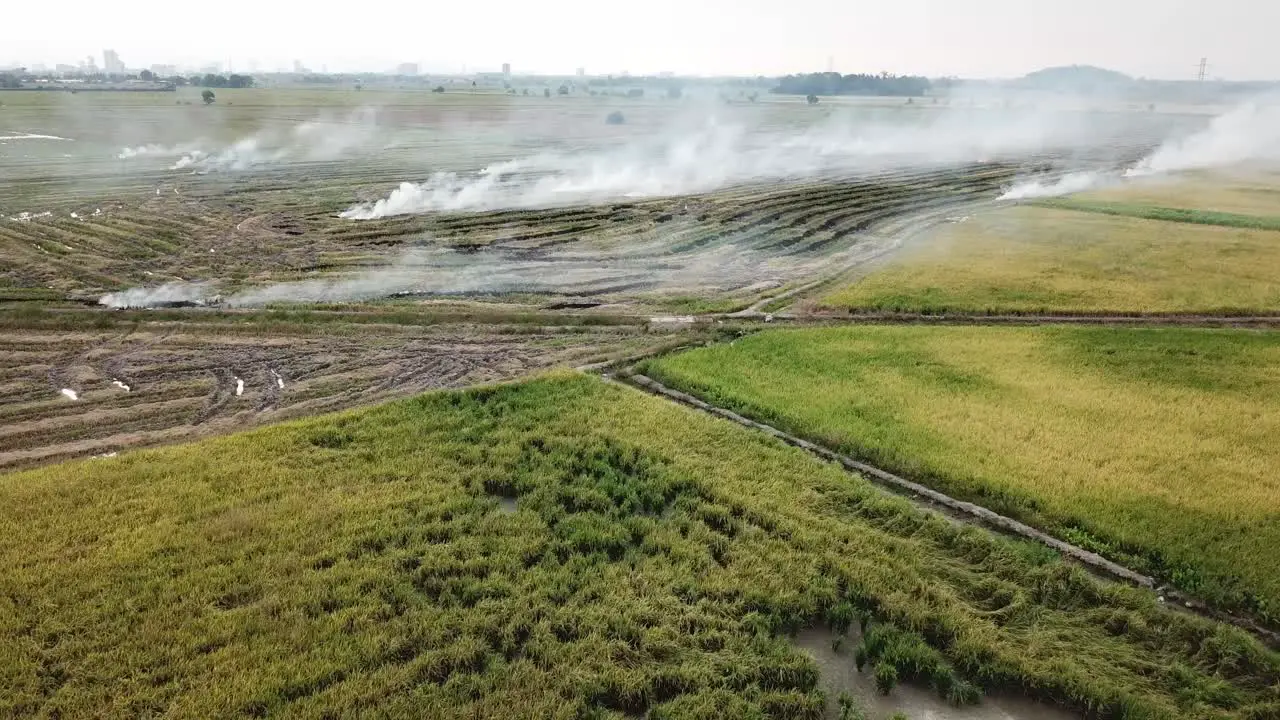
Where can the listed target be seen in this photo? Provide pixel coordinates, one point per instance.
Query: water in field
(839, 674)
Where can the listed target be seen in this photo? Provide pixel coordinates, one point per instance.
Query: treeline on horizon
(833, 83)
(13, 81)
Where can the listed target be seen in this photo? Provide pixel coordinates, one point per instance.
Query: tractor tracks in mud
(189, 380)
(957, 510)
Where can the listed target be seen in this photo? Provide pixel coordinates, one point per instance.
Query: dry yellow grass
(1032, 260)
(1243, 192)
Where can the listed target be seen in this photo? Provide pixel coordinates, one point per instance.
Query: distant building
(111, 63)
(407, 69)
(65, 69)
(506, 70)
(164, 70)
(582, 72)
(299, 68)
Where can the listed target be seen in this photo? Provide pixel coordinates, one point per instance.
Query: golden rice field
(1031, 259)
(561, 548)
(1155, 446)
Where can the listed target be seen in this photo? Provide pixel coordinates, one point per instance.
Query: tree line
(210, 80)
(831, 83)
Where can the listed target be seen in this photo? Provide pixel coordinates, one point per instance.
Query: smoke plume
(1065, 185)
(315, 140)
(717, 154)
(142, 297)
(1248, 133)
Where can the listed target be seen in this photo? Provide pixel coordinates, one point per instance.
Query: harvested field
(559, 548)
(735, 242)
(1151, 446)
(530, 195)
(147, 382)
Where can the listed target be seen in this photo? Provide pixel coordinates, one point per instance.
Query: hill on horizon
(1076, 78)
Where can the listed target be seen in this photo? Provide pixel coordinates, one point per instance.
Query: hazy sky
(970, 38)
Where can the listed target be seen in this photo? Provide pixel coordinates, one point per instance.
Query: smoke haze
(1249, 133)
(315, 140)
(717, 154)
(141, 297)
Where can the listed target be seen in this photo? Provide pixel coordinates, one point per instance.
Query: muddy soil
(839, 675)
(172, 381)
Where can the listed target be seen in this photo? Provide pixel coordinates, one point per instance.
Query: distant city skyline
(966, 38)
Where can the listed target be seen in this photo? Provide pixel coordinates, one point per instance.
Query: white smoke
(306, 142)
(142, 297)
(1250, 132)
(441, 271)
(31, 136)
(1065, 185)
(129, 153)
(717, 154)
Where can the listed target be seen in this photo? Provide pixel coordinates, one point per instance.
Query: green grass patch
(561, 548)
(701, 305)
(1041, 260)
(1152, 212)
(1154, 446)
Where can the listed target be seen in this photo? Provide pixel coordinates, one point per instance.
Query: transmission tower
(1204, 67)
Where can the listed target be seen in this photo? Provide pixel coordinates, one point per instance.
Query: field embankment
(1166, 214)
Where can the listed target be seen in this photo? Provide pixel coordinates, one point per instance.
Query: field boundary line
(1159, 213)
(927, 498)
(962, 318)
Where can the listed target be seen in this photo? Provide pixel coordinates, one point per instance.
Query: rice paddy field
(1200, 247)
(558, 548)
(1151, 445)
(296, 419)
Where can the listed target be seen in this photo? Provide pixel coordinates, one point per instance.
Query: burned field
(737, 241)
